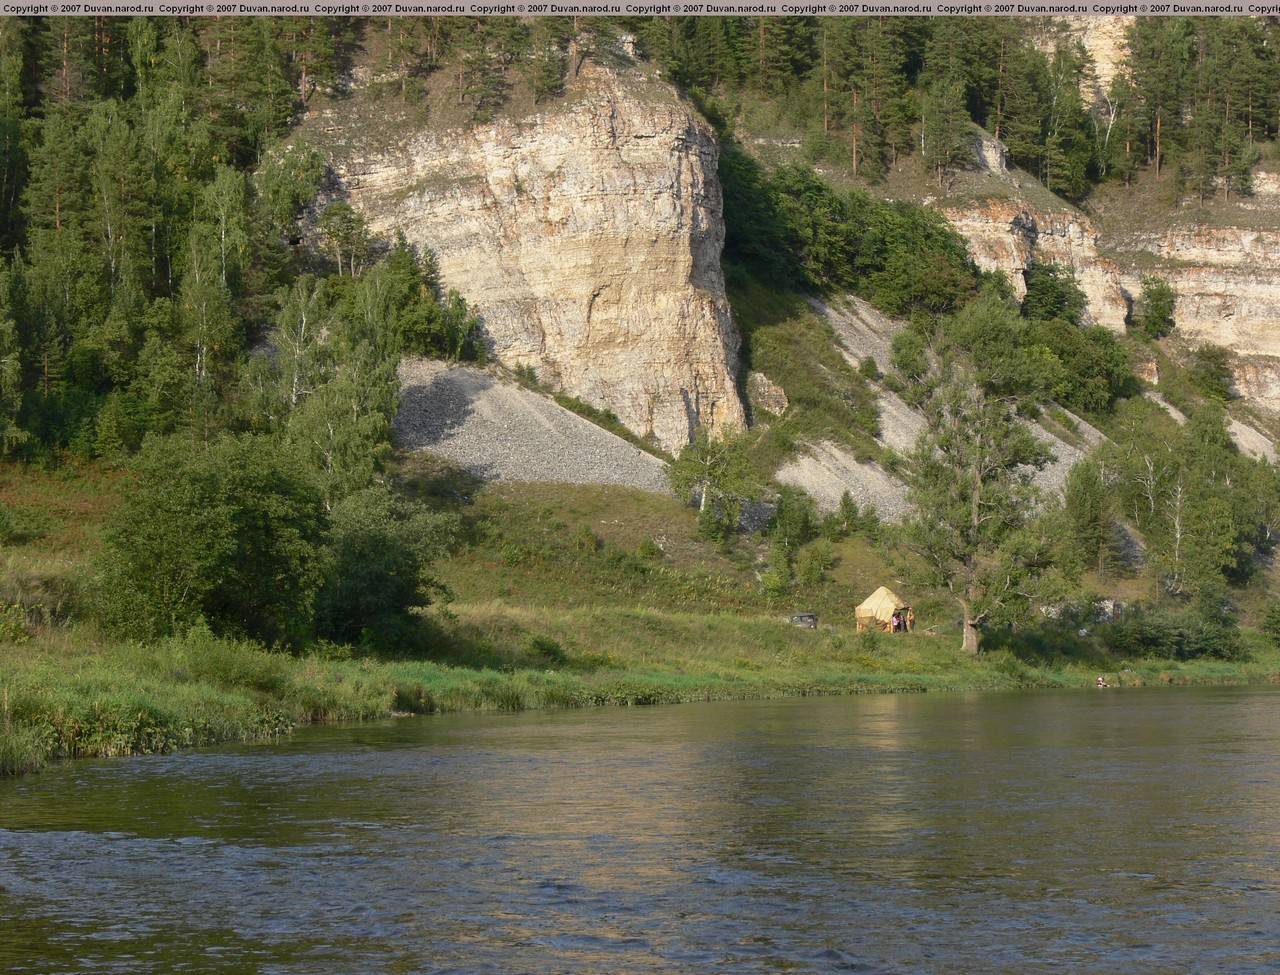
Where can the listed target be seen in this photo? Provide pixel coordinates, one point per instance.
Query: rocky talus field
(497, 430)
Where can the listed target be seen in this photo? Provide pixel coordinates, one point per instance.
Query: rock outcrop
(1228, 289)
(1010, 235)
(1104, 38)
(587, 238)
(1226, 276)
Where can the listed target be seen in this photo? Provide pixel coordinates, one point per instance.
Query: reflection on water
(1067, 832)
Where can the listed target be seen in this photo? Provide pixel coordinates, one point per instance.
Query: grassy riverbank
(565, 597)
(79, 695)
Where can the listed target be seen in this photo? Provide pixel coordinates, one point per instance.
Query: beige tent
(877, 609)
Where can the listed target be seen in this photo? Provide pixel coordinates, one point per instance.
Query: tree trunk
(826, 114)
(971, 635)
(855, 130)
(1157, 160)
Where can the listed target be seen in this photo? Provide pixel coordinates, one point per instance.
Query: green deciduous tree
(382, 551)
(970, 487)
(715, 471)
(1154, 316)
(231, 534)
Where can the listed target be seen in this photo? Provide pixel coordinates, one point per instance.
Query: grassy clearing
(559, 602)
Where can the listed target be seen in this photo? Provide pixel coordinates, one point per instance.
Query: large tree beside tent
(970, 485)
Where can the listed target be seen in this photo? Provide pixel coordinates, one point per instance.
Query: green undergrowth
(790, 343)
(104, 699)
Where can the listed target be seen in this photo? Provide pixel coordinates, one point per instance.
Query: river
(1083, 832)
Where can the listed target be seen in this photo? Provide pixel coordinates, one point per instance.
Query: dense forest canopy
(148, 223)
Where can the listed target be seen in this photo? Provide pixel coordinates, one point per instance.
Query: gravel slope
(826, 470)
(500, 431)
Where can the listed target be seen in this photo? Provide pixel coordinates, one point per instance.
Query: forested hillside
(148, 226)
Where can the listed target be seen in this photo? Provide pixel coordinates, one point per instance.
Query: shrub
(585, 541)
(1155, 318)
(650, 549)
(795, 518)
(13, 624)
(813, 562)
(1210, 372)
(22, 749)
(1271, 624)
(1052, 292)
(231, 533)
(1182, 634)
(551, 650)
(381, 548)
(778, 577)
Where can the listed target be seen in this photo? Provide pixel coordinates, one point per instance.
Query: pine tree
(1088, 509)
(250, 95)
(67, 68)
(1068, 149)
(945, 130)
(312, 49)
(481, 81)
(1024, 106)
(546, 64)
(11, 434)
(14, 48)
(1159, 61)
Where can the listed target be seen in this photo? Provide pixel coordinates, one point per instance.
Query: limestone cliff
(587, 237)
(1222, 258)
(1010, 235)
(1104, 38)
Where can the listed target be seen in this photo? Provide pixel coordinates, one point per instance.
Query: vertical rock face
(1011, 235)
(1228, 294)
(588, 241)
(1105, 38)
(1227, 286)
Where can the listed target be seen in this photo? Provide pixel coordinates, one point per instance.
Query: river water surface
(1074, 832)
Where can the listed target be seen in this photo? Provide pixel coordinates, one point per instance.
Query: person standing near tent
(879, 610)
(911, 619)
